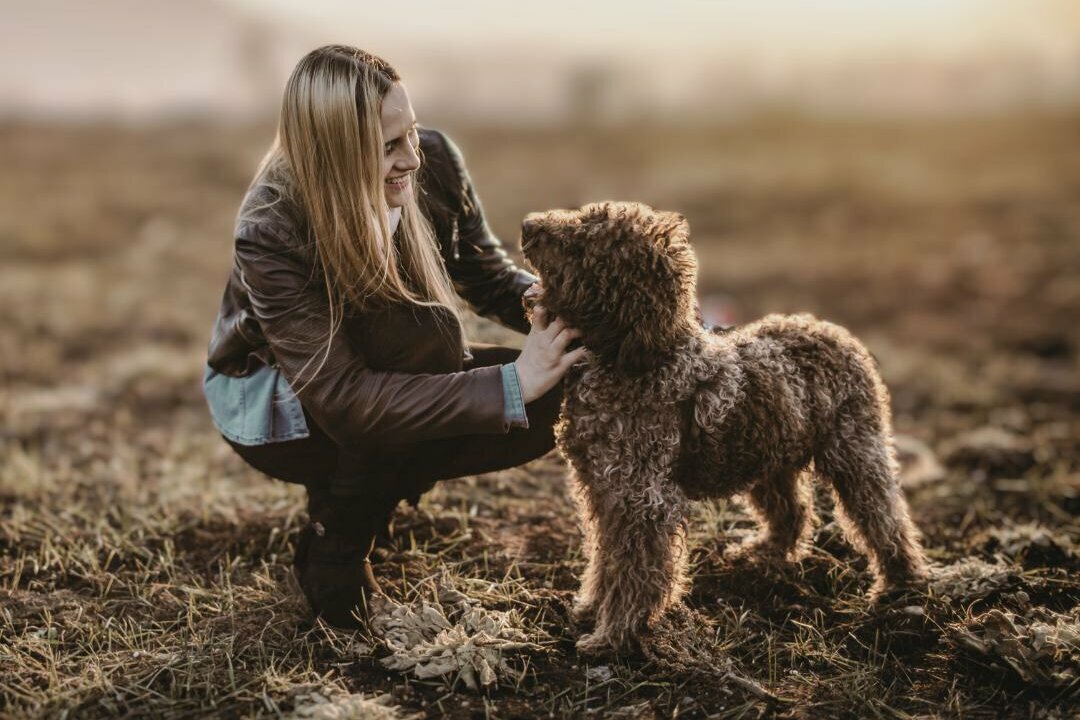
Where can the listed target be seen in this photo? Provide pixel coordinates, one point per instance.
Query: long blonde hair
(326, 158)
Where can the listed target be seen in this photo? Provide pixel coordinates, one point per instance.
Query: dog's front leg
(640, 563)
(584, 608)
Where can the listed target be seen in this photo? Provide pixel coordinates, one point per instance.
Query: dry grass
(143, 567)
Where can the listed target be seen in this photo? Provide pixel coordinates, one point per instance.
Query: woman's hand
(544, 359)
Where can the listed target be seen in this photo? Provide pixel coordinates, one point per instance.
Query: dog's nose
(528, 233)
(531, 223)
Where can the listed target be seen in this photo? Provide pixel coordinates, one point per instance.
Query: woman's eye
(388, 147)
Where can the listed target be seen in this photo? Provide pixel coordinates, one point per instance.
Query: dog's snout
(528, 227)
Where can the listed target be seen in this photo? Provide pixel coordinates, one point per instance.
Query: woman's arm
(349, 401)
(482, 272)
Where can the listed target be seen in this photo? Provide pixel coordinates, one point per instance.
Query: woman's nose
(410, 160)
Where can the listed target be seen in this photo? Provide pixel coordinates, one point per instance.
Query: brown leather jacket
(391, 376)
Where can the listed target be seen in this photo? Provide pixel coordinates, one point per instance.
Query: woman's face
(401, 143)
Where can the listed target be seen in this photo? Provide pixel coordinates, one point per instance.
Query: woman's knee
(485, 354)
(545, 409)
(542, 413)
(303, 462)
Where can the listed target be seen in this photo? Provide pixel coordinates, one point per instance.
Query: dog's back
(777, 385)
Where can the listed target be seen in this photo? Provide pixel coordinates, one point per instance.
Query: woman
(338, 359)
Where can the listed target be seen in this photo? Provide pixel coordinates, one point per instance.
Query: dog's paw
(758, 551)
(909, 591)
(583, 612)
(595, 645)
(601, 644)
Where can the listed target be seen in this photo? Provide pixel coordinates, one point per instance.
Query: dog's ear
(678, 229)
(675, 252)
(663, 293)
(640, 350)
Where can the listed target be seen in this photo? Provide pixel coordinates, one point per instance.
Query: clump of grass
(449, 636)
(1039, 647)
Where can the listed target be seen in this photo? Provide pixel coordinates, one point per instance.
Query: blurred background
(908, 169)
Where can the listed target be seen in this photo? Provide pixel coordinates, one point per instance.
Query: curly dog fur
(663, 412)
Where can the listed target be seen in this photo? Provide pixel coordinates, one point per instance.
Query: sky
(882, 56)
(808, 29)
(526, 60)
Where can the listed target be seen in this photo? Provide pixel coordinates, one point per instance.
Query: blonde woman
(338, 358)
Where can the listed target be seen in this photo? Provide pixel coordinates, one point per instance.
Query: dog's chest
(610, 401)
(608, 419)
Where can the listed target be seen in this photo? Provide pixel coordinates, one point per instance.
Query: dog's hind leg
(784, 506)
(860, 462)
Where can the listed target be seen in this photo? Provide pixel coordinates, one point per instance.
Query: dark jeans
(320, 464)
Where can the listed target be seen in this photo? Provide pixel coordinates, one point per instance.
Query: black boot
(384, 530)
(332, 562)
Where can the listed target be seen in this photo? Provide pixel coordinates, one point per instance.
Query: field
(144, 570)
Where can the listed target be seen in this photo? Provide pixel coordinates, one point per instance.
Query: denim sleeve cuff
(513, 404)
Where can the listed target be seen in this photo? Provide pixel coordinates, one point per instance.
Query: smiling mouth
(399, 182)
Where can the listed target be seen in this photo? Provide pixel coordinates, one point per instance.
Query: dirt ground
(144, 570)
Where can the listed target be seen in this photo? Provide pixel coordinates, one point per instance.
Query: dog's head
(622, 273)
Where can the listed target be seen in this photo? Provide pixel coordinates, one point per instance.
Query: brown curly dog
(663, 412)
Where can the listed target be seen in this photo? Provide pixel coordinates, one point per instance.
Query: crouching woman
(338, 359)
